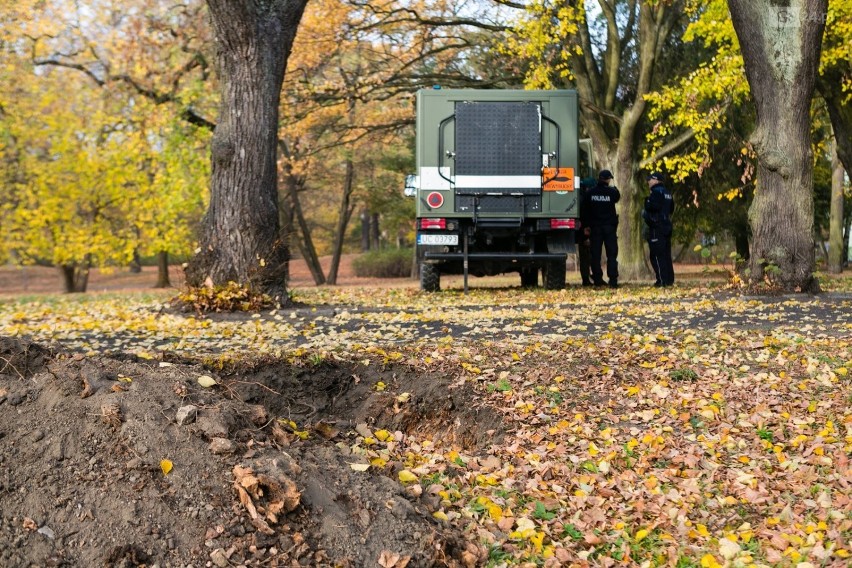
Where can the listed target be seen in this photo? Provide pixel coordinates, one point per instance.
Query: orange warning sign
(558, 180)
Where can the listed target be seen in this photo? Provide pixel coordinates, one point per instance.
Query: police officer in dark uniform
(659, 206)
(598, 214)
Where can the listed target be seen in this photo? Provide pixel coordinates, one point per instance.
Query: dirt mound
(111, 462)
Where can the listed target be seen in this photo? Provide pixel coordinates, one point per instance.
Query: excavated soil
(84, 443)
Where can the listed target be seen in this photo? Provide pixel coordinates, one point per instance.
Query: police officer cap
(656, 175)
(605, 174)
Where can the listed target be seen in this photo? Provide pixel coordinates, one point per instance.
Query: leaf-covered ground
(684, 427)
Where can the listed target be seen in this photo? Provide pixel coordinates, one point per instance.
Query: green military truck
(498, 174)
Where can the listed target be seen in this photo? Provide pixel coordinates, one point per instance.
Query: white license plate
(437, 239)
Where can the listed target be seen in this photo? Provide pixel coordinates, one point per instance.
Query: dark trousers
(660, 248)
(584, 256)
(604, 236)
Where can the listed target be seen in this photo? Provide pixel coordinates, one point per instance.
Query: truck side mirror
(410, 185)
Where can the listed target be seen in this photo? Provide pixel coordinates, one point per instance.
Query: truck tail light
(563, 223)
(433, 223)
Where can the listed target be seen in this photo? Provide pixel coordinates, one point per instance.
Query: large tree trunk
(342, 221)
(836, 252)
(240, 238)
(781, 58)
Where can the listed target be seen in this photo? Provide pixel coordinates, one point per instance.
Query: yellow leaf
(406, 476)
(382, 435)
(728, 548)
(206, 381)
(709, 561)
(404, 397)
(166, 466)
(640, 534)
(380, 386)
(440, 515)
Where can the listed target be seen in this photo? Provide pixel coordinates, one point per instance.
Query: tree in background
(781, 58)
(168, 206)
(92, 172)
(613, 58)
(78, 181)
(721, 83)
(348, 113)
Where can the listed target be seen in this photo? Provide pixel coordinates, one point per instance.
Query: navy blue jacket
(598, 206)
(659, 207)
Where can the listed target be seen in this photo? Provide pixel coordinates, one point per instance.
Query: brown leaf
(87, 389)
(388, 559)
(326, 430)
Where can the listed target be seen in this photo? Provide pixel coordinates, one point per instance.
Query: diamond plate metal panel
(498, 138)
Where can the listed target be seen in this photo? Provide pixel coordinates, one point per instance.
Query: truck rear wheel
(554, 275)
(430, 278)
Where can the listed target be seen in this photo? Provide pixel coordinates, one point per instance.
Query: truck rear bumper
(495, 256)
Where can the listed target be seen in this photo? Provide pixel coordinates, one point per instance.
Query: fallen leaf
(206, 381)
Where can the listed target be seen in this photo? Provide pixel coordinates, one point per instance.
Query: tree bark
(836, 252)
(344, 215)
(781, 58)
(240, 238)
(75, 276)
(365, 230)
(136, 262)
(375, 232)
(292, 185)
(162, 270)
(306, 245)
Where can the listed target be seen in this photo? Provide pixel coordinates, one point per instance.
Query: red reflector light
(435, 200)
(433, 223)
(563, 223)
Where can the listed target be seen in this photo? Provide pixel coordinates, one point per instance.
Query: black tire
(430, 278)
(554, 275)
(529, 277)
